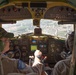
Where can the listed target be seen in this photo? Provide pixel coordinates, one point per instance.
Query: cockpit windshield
(49, 27)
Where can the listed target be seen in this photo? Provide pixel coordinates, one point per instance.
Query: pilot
(12, 66)
(63, 67)
(4, 47)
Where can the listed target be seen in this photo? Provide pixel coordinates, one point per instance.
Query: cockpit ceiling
(6, 2)
(13, 13)
(61, 13)
(56, 10)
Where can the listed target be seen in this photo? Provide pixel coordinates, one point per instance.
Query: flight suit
(62, 67)
(8, 65)
(16, 67)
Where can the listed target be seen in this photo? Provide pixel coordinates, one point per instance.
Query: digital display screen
(33, 41)
(42, 46)
(33, 47)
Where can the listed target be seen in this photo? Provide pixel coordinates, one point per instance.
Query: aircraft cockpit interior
(49, 45)
(38, 25)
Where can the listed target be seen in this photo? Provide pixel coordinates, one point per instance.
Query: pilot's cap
(4, 33)
(38, 53)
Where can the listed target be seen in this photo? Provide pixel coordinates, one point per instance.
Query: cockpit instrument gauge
(17, 54)
(16, 42)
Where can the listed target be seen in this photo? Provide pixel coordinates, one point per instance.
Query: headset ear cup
(1, 45)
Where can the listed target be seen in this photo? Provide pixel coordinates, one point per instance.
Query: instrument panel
(55, 47)
(50, 47)
(38, 42)
(20, 49)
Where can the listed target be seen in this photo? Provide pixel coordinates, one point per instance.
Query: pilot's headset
(66, 42)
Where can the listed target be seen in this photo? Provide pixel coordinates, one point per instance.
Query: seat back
(9, 66)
